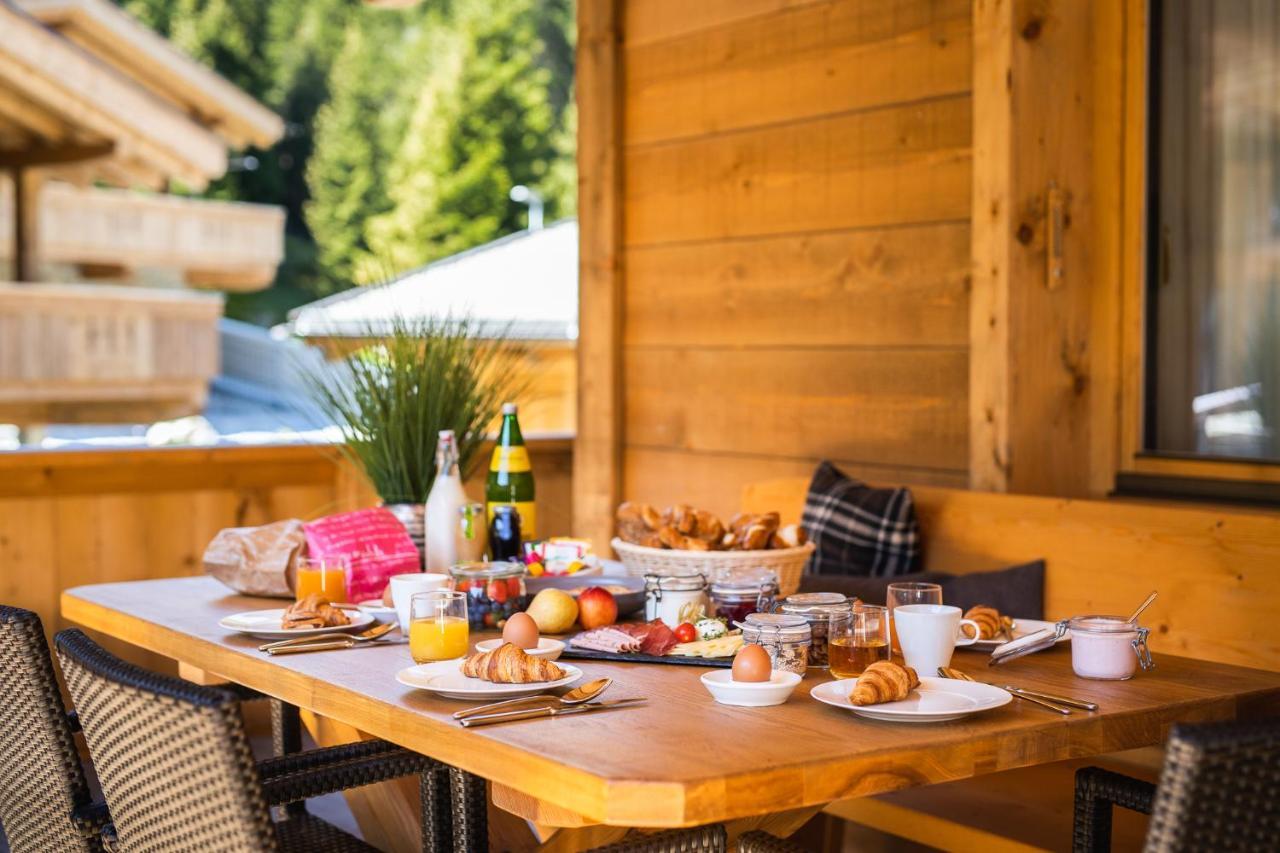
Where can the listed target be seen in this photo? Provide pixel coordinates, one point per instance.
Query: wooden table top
(680, 759)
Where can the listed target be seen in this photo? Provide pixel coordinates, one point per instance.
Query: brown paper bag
(257, 560)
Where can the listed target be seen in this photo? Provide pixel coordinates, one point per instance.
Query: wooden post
(1048, 95)
(26, 214)
(597, 465)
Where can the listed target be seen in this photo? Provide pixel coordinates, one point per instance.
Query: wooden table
(681, 759)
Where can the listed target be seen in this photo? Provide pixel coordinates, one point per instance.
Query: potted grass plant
(391, 396)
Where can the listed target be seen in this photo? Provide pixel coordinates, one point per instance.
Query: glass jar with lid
(674, 598)
(1108, 648)
(737, 594)
(786, 639)
(820, 610)
(494, 591)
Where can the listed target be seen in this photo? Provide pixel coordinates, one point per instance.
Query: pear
(553, 610)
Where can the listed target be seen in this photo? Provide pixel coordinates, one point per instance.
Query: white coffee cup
(929, 633)
(404, 586)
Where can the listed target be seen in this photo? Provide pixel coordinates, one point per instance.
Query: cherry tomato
(686, 633)
(497, 591)
(513, 587)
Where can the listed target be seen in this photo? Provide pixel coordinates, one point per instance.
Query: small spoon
(1143, 606)
(577, 696)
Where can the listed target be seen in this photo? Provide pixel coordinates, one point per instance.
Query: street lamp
(521, 194)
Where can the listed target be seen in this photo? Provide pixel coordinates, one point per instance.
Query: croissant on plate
(884, 681)
(314, 611)
(510, 664)
(991, 623)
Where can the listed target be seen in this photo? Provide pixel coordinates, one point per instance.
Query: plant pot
(414, 518)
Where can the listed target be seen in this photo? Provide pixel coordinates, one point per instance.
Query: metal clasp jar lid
(658, 584)
(793, 628)
(815, 603)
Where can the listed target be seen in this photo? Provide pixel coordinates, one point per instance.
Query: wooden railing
(73, 353)
(223, 245)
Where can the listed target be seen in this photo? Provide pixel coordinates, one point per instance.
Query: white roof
(525, 284)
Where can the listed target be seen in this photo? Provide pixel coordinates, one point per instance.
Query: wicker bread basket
(787, 563)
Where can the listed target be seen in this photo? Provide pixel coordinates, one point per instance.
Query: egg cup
(547, 648)
(750, 694)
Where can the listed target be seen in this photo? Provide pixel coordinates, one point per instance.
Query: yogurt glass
(1108, 648)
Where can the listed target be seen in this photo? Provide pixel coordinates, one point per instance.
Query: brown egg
(521, 631)
(752, 664)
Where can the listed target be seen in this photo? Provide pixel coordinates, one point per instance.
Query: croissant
(990, 623)
(510, 664)
(884, 681)
(314, 611)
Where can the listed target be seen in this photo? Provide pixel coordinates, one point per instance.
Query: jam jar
(494, 591)
(785, 638)
(820, 610)
(674, 598)
(737, 594)
(1108, 648)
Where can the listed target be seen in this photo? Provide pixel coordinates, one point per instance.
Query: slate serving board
(635, 657)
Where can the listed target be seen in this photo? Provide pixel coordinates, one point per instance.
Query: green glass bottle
(510, 480)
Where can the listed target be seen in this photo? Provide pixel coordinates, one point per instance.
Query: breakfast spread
(682, 527)
(510, 664)
(992, 624)
(313, 611)
(884, 681)
(752, 664)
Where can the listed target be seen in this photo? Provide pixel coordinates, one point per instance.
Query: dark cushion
(1017, 591)
(859, 530)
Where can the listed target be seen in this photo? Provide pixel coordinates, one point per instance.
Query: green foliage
(392, 398)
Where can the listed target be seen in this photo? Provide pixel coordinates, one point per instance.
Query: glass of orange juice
(438, 625)
(324, 575)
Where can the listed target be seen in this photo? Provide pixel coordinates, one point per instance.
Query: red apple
(597, 607)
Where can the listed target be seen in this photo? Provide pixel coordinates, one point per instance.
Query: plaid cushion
(859, 530)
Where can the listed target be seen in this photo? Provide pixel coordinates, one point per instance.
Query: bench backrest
(1217, 571)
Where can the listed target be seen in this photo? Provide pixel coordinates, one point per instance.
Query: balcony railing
(96, 353)
(223, 245)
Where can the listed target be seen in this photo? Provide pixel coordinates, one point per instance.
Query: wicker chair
(1219, 790)
(45, 803)
(177, 772)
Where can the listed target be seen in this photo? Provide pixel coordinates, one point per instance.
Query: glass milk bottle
(443, 506)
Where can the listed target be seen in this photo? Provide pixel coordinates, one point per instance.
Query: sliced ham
(655, 637)
(606, 640)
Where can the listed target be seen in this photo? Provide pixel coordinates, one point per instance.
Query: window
(1213, 288)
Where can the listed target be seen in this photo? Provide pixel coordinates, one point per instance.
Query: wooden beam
(26, 217)
(597, 474)
(47, 155)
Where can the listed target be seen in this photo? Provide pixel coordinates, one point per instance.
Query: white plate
(445, 677)
(934, 701)
(548, 649)
(1021, 627)
(750, 694)
(265, 624)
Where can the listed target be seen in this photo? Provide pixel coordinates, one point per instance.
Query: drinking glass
(859, 641)
(324, 575)
(909, 593)
(438, 625)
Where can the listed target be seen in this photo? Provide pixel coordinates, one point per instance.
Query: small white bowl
(547, 647)
(750, 694)
(375, 608)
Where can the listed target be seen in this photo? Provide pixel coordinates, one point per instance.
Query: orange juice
(331, 583)
(438, 638)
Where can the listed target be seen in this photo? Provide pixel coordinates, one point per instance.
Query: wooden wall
(793, 241)
(69, 518)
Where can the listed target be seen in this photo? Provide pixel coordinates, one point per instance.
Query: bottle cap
(446, 434)
(508, 408)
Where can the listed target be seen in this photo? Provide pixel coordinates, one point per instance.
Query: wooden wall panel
(821, 59)
(795, 200)
(890, 166)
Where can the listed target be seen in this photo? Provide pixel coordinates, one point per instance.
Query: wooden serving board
(636, 657)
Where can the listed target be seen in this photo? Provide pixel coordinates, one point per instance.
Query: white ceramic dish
(1021, 627)
(446, 678)
(547, 648)
(265, 624)
(379, 611)
(750, 694)
(934, 701)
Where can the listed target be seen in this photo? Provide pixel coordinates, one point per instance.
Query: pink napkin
(374, 542)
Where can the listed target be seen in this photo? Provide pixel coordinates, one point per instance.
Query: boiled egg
(521, 631)
(752, 664)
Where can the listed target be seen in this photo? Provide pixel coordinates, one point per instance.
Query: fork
(957, 675)
(363, 637)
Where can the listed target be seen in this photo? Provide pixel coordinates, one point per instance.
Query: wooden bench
(1218, 573)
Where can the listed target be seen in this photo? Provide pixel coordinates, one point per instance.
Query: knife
(534, 713)
(1058, 700)
(337, 644)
